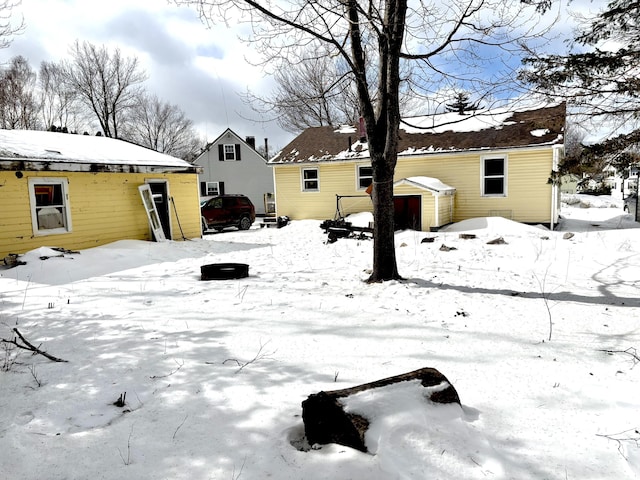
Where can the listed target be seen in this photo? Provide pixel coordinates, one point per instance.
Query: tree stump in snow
(325, 420)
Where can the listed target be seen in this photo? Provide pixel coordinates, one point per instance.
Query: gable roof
(218, 140)
(431, 184)
(43, 150)
(484, 130)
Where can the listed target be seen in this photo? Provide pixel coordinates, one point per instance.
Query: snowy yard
(215, 372)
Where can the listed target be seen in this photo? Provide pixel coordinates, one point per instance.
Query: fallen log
(325, 420)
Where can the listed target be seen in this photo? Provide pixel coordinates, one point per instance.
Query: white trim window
(494, 176)
(229, 152)
(310, 180)
(213, 188)
(365, 176)
(50, 212)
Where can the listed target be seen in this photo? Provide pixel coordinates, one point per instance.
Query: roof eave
(335, 159)
(46, 165)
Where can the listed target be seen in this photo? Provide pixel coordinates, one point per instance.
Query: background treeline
(96, 91)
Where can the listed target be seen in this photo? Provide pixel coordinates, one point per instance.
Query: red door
(407, 212)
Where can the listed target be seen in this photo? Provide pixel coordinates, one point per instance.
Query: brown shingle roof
(486, 130)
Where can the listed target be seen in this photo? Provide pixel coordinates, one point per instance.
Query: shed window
(494, 176)
(50, 213)
(310, 182)
(365, 176)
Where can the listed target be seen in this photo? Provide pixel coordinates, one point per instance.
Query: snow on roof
(500, 128)
(346, 129)
(454, 122)
(474, 122)
(71, 148)
(428, 183)
(539, 132)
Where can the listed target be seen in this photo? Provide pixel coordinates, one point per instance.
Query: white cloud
(202, 70)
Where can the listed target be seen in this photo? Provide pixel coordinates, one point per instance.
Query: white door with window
(152, 213)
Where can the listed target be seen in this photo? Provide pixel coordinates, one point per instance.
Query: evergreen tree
(603, 80)
(462, 104)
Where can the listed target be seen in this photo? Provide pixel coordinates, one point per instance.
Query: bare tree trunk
(384, 253)
(382, 130)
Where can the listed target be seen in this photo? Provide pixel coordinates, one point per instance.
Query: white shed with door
(436, 201)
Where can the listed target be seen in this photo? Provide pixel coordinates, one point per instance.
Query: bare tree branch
(30, 347)
(106, 82)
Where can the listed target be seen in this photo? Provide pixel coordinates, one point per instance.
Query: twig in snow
(545, 297)
(631, 351)
(24, 299)
(624, 437)
(8, 358)
(259, 356)
(179, 426)
(34, 374)
(242, 292)
(30, 347)
(180, 365)
(233, 474)
(127, 461)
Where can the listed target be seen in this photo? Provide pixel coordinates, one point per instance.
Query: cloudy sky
(202, 70)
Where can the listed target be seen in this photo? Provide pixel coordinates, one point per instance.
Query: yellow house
(79, 191)
(450, 167)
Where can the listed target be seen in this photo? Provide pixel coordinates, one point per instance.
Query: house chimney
(251, 141)
(362, 130)
(349, 143)
(266, 148)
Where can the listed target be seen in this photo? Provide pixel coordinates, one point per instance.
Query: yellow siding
(105, 207)
(445, 210)
(335, 178)
(528, 193)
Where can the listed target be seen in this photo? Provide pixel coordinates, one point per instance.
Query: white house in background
(233, 165)
(622, 185)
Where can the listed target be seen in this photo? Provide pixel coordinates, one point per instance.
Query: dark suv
(228, 211)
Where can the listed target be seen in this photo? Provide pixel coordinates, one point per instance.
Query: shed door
(152, 213)
(407, 212)
(159, 189)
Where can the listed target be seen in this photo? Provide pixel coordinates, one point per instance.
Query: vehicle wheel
(245, 223)
(204, 225)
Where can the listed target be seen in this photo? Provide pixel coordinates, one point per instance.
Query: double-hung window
(365, 176)
(229, 152)
(50, 212)
(310, 180)
(494, 176)
(213, 188)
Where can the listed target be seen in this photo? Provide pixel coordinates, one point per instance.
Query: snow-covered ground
(537, 335)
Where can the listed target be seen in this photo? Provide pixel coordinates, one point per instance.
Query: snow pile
(590, 201)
